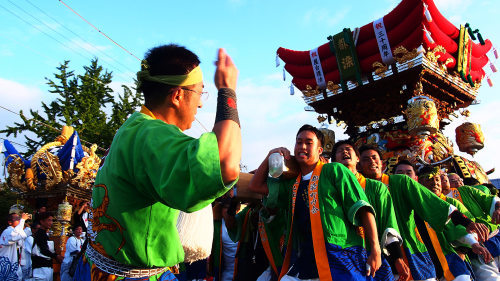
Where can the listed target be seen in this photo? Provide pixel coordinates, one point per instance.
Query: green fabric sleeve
(426, 204)
(235, 232)
(451, 231)
(348, 191)
(183, 171)
(474, 196)
(381, 200)
(353, 211)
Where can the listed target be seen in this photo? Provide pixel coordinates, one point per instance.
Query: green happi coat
(478, 203)
(409, 196)
(341, 197)
(379, 197)
(152, 171)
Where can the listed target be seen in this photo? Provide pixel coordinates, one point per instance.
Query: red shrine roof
(413, 23)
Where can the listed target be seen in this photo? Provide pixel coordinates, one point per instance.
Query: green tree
(82, 101)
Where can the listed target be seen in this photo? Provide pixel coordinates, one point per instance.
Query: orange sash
(361, 179)
(148, 112)
(439, 252)
(316, 227)
(455, 194)
(385, 179)
(267, 247)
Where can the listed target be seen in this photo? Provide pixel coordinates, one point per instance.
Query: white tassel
(495, 52)
(73, 152)
(490, 83)
(427, 13)
(277, 60)
(1, 147)
(493, 67)
(284, 74)
(428, 35)
(193, 229)
(356, 35)
(292, 89)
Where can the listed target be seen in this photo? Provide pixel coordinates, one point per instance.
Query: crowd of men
(342, 219)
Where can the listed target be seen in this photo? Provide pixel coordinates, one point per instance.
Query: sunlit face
(191, 101)
(433, 183)
(307, 148)
(455, 181)
(346, 155)
(47, 223)
(404, 169)
(445, 182)
(78, 231)
(371, 165)
(16, 219)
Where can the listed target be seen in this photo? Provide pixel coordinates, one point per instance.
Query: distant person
(28, 247)
(9, 258)
(43, 250)
(73, 247)
(81, 216)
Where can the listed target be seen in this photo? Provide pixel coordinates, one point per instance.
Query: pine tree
(85, 102)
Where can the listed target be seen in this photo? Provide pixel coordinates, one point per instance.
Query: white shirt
(228, 251)
(9, 239)
(73, 244)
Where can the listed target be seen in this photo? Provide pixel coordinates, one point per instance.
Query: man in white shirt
(9, 258)
(73, 247)
(26, 253)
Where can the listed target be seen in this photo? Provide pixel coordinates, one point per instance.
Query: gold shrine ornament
(469, 137)
(421, 116)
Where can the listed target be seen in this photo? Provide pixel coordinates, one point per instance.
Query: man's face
(455, 181)
(445, 182)
(371, 165)
(404, 169)
(16, 219)
(190, 103)
(307, 148)
(47, 223)
(78, 231)
(433, 183)
(346, 155)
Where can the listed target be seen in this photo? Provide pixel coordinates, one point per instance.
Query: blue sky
(38, 35)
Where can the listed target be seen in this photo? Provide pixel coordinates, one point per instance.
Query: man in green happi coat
(153, 169)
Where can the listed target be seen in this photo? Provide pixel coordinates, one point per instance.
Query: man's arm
(227, 128)
(41, 240)
(371, 237)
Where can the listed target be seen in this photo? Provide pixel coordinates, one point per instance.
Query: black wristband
(394, 250)
(226, 106)
(459, 219)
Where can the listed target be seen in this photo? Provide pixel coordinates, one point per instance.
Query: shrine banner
(347, 59)
(383, 41)
(318, 70)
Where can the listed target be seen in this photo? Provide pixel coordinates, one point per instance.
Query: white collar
(307, 177)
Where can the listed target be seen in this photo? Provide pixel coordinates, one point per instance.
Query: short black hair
(44, 216)
(168, 59)
(11, 216)
(405, 162)
(427, 169)
(366, 147)
(314, 130)
(340, 143)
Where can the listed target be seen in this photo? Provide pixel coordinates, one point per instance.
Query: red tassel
(490, 83)
(493, 67)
